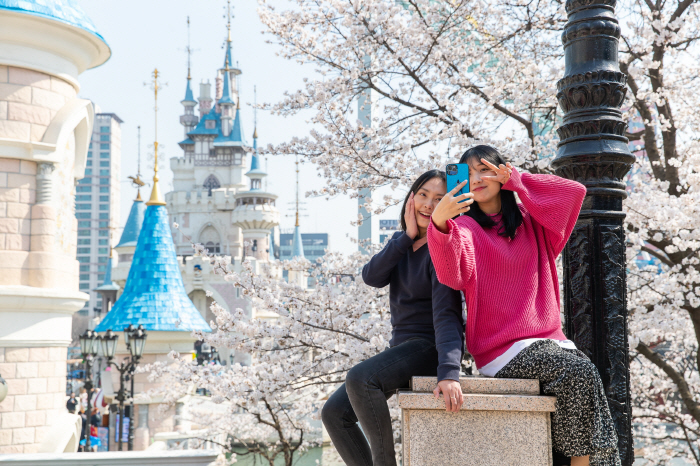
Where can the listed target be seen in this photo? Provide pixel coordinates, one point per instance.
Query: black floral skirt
(581, 423)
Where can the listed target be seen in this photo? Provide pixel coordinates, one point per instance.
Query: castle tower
(189, 120)
(45, 132)
(298, 277)
(154, 296)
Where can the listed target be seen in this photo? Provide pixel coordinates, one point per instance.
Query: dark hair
(512, 217)
(420, 181)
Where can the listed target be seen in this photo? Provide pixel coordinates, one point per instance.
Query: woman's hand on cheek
(410, 218)
(451, 206)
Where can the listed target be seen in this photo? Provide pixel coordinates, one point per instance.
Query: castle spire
(156, 198)
(189, 97)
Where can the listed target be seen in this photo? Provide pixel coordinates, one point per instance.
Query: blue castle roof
(201, 128)
(65, 11)
(189, 97)
(226, 93)
(297, 245)
(108, 284)
(235, 138)
(130, 235)
(154, 295)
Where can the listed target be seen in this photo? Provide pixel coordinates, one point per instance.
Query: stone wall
(36, 379)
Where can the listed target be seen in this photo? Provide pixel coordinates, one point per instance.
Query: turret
(189, 120)
(256, 174)
(226, 106)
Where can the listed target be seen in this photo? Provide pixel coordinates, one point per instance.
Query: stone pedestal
(502, 422)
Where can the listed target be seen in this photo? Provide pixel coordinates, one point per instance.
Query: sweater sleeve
(452, 254)
(449, 329)
(377, 272)
(552, 201)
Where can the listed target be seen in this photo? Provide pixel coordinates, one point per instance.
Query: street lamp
(89, 342)
(135, 339)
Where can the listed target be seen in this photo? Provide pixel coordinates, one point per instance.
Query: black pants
(364, 397)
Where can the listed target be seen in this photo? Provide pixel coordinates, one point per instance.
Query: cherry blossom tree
(444, 74)
(302, 342)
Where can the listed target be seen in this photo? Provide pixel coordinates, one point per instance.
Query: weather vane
(155, 199)
(137, 182)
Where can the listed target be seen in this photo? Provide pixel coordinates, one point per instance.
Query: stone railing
(502, 422)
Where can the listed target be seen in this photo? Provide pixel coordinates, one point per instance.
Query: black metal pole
(593, 150)
(131, 413)
(121, 409)
(88, 388)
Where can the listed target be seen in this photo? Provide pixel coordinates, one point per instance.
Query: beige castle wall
(36, 378)
(37, 249)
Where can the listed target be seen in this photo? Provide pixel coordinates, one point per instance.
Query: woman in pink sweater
(502, 255)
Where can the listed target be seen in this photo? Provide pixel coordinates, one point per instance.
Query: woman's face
(484, 190)
(426, 199)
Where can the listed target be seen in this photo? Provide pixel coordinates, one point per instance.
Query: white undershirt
(492, 368)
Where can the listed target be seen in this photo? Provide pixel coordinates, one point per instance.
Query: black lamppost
(89, 342)
(135, 339)
(593, 150)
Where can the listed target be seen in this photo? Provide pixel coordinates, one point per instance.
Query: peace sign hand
(503, 172)
(451, 206)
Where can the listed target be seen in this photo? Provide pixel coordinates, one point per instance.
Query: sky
(144, 35)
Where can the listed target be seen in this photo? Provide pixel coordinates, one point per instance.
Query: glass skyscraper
(97, 206)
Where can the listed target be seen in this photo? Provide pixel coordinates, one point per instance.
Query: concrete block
(47, 98)
(21, 181)
(27, 370)
(9, 225)
(3, 205)
(27, 167)
(11, 449)
(8, 405)
(29, 78)
(19, 130)
(35, 418)
(22, 436)
(44, 401)
(17, 242)
(25, 403)
(25, 226)
(36, 133)
(2, 354)
(9, 194)
(30, 113)
(15, 93)
(3, 110)
(59, 368)
(57, 353)
(42, 211)
(55, 384)
(16, 354)
(59, 401)
(62, 87)
(38, 354)
(7, 370)
(31, 447)
(5, 437)
(41, 432)
(508, 428)
(43, 227)
(37, 385)
(42, 243)
(17, 210)
(9, 165)
(3, 74)
(17, 386)
(27, 195)
(12, 420)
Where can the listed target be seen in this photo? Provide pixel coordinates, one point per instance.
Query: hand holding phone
(456, 174)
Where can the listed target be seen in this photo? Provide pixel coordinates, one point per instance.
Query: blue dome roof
(154, 295)
(130, 235)
(65, 11)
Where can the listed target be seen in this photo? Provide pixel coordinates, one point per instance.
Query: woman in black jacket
(427, 337)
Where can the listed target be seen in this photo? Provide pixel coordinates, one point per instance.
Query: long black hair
(420, 181)
(511, 216)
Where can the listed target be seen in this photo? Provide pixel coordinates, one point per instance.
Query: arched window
(211, 240)
(211, 183)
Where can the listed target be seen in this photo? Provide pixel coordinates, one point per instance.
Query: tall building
(387, 228)
(314, 245)
(97, 207)
(45, 132)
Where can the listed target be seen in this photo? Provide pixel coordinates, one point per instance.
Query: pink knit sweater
(511, 287)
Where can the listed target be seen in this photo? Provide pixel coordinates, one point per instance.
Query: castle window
(211, 240)
(211, 183)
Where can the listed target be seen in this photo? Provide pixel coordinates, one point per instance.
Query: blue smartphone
(456, 173)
